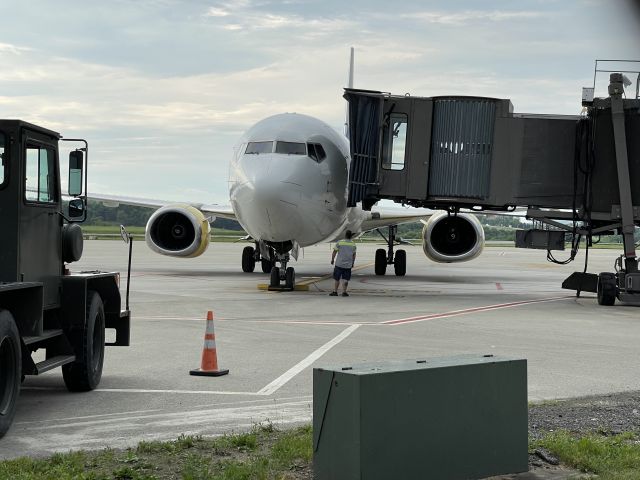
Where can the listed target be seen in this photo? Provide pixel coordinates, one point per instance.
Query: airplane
(288, 181)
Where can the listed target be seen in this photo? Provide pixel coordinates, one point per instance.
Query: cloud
(471, 16)
(163, 88)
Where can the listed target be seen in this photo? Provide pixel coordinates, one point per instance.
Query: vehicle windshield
(291, 148)
(259, 147)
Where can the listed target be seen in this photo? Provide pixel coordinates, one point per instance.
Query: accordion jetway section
(578, 174)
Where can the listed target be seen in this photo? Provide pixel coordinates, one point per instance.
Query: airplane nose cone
(267, 202)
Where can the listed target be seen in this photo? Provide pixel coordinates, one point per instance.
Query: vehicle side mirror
(76, 208)
(76, 160)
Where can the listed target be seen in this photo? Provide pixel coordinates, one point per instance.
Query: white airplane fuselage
(299, 197)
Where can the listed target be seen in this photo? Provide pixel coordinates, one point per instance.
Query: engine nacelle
(178, 231)
(452, 238)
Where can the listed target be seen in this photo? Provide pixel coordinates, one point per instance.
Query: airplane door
(395, 140)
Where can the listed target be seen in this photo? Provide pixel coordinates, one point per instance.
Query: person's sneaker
(345, 294)
(333, 294)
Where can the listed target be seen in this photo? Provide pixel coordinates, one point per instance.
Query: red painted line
(466, 311)
(499, 286)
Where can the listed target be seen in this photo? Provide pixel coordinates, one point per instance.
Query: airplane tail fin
(349, 85)
(351, 62)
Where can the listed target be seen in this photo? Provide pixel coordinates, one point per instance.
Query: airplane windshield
(291, 148)
(259, 147)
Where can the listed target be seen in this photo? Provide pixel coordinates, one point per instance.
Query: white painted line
(141, 390)
(89, 416)
(180, 418)
(296, 369)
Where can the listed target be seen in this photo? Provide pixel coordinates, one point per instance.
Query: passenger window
(394, 142)
(4, 161)
(40, 178)
(291, 148)
(259, 147)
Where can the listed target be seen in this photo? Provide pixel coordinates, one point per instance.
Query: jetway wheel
(400, 263)
(607, 287)
(248, 260)
(381, 261)
(275, 277)
(10, 369)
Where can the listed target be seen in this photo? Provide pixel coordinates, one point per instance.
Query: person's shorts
(339, 272)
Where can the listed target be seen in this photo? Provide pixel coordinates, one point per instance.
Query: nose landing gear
(282, 274)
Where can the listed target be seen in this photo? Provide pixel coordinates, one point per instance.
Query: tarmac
(506, 302)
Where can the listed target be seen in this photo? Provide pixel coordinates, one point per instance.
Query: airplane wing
(222, 211)
(384, 217)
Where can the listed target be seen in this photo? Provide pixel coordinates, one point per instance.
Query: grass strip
(263, 453)
(267, 453)
(608, 456)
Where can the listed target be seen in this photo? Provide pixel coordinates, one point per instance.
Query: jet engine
(178, 231)
(452, 238)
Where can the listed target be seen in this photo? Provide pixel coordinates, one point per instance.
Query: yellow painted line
(304, 285)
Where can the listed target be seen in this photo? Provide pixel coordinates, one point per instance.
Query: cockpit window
(316, 152)
(291, 148)
(259, 147)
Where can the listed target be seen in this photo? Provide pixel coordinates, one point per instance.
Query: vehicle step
(46, 335)
(53, 362)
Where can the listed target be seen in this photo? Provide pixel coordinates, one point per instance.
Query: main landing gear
(251, 255)
(398, 260)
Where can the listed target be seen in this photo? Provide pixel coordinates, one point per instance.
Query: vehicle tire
(607, 289)
(275, 277)
(400, 263)
(88, 345)
(381, 262)
(10, 369)
(248, 260)
(267, 265)
(290, 278)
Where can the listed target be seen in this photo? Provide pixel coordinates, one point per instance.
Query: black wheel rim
(7, 373)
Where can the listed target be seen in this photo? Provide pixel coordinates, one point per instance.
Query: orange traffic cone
(209, 364)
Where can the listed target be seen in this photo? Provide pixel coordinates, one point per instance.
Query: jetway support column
(626, 203)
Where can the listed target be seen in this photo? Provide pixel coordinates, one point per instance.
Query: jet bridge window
(40, 178)
(4, 160)
(291, 148)
(316, 152)
(394, 142)
(259, 147)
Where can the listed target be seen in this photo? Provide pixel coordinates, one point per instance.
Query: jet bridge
(576, 174)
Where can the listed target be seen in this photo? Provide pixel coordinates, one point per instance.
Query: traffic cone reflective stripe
(209, 363)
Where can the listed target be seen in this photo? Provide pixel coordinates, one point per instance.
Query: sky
(163, 89)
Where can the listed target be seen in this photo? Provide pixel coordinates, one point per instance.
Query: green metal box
(458, 417)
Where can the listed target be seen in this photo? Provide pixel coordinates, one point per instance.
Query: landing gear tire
(290, 278)
(381, 262)
(400, 263)
(10, 369)
(606, 289)
(248, 259)
(275, 277)
(88, 344)
(267, 265)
